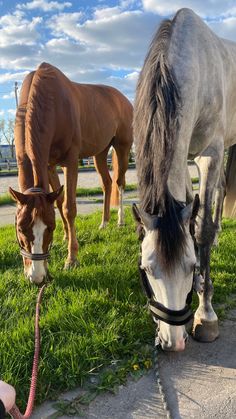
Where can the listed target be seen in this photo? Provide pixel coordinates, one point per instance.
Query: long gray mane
(156, 124)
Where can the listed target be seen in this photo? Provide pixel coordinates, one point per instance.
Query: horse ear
(52, 196)
(140, 225)
(136, 214)
(191, 210)
(186, 213)
(18, 196)
(196, 205)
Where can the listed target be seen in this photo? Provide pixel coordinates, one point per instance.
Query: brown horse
(58, 122)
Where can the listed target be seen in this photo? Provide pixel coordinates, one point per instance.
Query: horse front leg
(205, 327)
(54, 181)
(69, 211)
(219, 200)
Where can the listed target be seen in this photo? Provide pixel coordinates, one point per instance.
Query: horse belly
(93, 141)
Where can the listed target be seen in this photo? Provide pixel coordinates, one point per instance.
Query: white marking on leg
(103, 225)
(121, 208)
(205, 310)
(37, 270)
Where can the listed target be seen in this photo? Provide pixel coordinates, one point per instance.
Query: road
(85, 179)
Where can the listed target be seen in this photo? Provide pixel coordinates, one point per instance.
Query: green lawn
(93, 319)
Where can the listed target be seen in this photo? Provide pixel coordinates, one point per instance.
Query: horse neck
(40, 175)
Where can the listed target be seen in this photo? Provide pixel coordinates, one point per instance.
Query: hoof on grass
(121, 224)
(204, 330)
(70, 264)
(103, 225)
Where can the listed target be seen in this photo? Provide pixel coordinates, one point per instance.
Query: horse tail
(229, 209)
(156, 121)
(115, 189)
(156, 128)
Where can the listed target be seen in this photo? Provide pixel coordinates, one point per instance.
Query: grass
(94, 324)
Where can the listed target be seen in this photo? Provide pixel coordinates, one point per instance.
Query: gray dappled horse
(185, 108)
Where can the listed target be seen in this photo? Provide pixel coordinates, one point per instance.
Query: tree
(7, 133)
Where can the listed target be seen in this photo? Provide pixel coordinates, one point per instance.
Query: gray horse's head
(168, 285)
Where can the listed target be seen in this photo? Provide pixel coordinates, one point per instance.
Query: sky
(102, 41)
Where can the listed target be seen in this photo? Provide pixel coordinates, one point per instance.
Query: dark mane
(156, 125)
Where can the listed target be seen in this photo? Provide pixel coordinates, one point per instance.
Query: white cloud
(9, 95)
(225, 28)
(108, 47)
(15, 29)
(11, 112)
(46, 6)
(204, 8)
(7, 77)
(112, 38)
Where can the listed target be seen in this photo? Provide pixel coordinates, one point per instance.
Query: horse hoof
(71, 264)
(121, 224)
(204, 330)
(103, 225)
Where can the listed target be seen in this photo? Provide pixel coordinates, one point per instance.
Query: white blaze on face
(37, 269)
(169, 289)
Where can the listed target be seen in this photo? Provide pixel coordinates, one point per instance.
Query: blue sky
(102, 41)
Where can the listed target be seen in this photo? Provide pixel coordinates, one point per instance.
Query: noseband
(23, 252)
(159, 311)
(34, 256)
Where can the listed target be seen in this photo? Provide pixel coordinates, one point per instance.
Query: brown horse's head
(35, 223)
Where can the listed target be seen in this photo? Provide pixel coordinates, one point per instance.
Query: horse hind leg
(120, 161)
(55, 184)
(100, 162)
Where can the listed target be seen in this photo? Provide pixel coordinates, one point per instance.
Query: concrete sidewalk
(199, 383)
(84, 206)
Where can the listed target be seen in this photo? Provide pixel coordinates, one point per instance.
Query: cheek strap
(159, 311)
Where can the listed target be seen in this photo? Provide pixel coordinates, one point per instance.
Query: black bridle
(23, 252)
(159, 311)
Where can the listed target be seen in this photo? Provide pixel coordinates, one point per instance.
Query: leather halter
(159, 311)
(23, 252)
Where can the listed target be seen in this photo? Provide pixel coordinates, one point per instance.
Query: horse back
(104, 113)
(205, 71)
